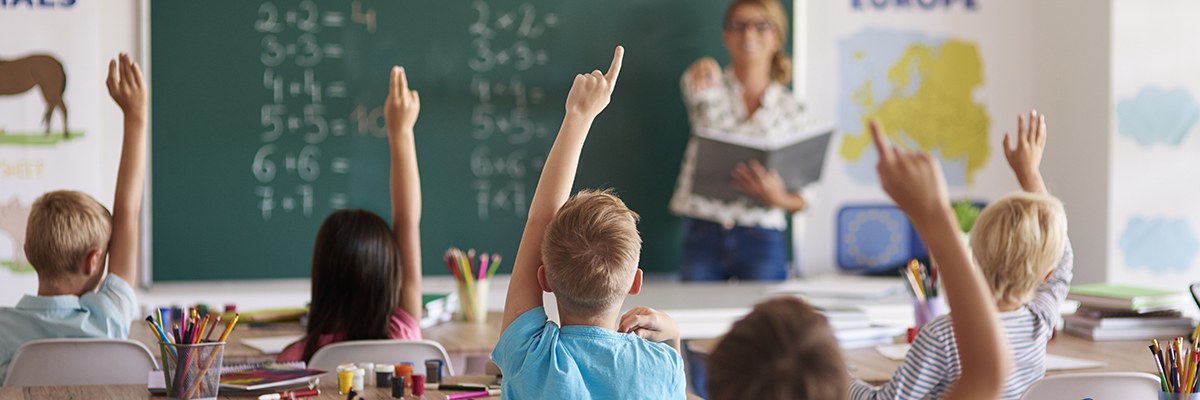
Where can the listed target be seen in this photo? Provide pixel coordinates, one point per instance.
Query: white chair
(1098, 386)
(61, 362)
(381, 351)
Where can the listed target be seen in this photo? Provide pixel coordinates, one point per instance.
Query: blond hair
(591, 252)
(1017, 241)
(782, 350)
(781, 63)
(63, 227)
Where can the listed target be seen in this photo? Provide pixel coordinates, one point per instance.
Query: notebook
(253, 377)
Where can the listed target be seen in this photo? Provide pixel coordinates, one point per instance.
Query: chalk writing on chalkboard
(505, 104)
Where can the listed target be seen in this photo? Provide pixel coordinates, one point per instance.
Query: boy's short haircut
(1017, 241)
(781, 350)
(591, 251)
(63, 227)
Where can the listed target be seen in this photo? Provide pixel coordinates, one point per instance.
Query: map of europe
(922, 89)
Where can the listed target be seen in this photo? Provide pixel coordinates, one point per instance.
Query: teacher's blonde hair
(781, 63)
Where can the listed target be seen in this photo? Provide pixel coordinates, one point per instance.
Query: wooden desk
(328, 391)
(465, 342)
(328, 386)
(1121, 356)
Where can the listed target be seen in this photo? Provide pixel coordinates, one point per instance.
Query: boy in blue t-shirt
(585, 250)
(70, 235)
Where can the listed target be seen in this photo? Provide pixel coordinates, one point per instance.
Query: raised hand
(913, 180)
(402, 105)
(649, 324)
(703, 74)
(1026, 156)
(590, 92)
(126, 86)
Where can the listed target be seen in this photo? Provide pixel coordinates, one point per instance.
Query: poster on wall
(1154, 234)
(944, 77)
(51, 89)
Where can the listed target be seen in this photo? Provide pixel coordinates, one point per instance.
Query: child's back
(1021, 248)
(590, 255)
(366, 276)
(586, 251)
(70, 236)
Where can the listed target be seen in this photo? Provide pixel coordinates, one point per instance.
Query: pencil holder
(192, 371)
(927, 310)
(1178, 396)
(472, 306)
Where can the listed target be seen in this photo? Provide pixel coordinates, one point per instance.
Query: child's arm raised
(916, 183)
(401, 109)
(589, 95)
(128, 90)
(1026, 156)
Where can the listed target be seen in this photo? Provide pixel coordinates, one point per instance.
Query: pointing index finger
(615, 68)
(403, 81)
(883, 145)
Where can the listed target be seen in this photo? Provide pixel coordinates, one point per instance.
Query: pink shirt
(401, 326)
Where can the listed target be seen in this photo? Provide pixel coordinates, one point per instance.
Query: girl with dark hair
(366, 278)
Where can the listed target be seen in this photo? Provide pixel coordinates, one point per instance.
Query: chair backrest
(61, 362)
(1097, 386)
(381, 351)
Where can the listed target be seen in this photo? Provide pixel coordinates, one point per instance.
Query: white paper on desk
(1060, 363)
(854, 287)
(271, 345)
(897, 352)
(894, 351)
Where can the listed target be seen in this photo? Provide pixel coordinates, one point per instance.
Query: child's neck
(606, 320)
(1004, 306)
(69, 285)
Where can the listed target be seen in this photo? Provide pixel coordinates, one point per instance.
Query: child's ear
(1049, 273)
(637, 283)
(92, 262)
(545, 284)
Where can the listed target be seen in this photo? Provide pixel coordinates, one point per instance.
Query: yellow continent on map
(940, 114)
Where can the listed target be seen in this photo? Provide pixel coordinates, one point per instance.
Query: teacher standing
(740, 239)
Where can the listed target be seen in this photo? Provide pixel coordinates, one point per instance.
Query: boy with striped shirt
(1020, 245)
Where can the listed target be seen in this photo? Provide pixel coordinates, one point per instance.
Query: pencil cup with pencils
(473, 275)
(193, 371)
(923, 282)
(1178, 369)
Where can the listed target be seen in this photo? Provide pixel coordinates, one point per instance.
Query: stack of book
(853, 329)
(439, 308)
(1120, 312)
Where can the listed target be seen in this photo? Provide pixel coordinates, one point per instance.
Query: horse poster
(52, 96)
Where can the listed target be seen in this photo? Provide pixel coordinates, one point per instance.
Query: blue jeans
(713, 253)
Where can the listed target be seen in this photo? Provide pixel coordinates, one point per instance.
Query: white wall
(1072, 60)
(1155, 183)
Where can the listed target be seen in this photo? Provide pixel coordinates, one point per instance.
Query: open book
(797, 156)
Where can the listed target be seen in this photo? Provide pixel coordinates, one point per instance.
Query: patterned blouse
(721, 108)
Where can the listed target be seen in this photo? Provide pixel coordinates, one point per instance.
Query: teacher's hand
(703, 74)
(766, 185)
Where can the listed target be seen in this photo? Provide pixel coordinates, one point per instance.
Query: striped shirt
(721, 108)
(931, 366)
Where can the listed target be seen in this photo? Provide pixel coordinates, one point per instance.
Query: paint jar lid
(359, 372)
(345, 367)
(404, 368)
(384, 368)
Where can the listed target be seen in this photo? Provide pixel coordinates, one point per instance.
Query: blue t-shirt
(539, 360)
(106, 313)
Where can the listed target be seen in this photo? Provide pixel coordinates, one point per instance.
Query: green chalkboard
(267, 116)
